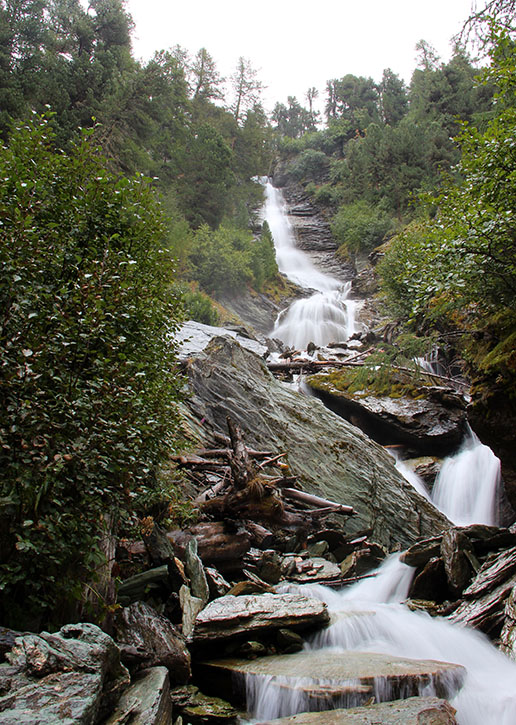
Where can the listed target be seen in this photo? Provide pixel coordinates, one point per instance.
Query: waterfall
(467, 487)
(369, 618)
(325, 316)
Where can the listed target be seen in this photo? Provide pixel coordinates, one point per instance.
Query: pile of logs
(237, 488)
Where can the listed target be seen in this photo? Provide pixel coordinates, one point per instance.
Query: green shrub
(88, 381)
(360, 227)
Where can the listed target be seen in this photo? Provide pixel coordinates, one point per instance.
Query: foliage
(466, 256)
(197, 305)
(310, 164)
(88, 376)
(359, 227)
(227, 259)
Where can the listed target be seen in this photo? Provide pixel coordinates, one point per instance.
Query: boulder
(240, 616)
(155, 638)
(323, 680)
(195, 570)
(329, 456)
(455, 547)
(73, 676)
(431, 420)
(413, 711)
(147, 700)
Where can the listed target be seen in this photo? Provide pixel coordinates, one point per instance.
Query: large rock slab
(192, 337)
(413, 711)
(431, 421)
(146, 702)
(321, 680)
(330, 457)
(236, 616)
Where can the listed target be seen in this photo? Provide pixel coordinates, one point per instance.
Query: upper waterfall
(327, 315)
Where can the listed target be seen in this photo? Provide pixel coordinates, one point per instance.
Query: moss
(369, 381)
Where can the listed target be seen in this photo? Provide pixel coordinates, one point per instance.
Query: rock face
(433, 423)
(322, 680)
(313, 233)
(73, 677)
(414, 711)
(329, 456)
(156, 639)
(236, 616)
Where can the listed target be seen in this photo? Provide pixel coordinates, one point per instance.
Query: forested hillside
(129, 201)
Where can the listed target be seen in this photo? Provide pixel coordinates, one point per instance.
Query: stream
(369, 616)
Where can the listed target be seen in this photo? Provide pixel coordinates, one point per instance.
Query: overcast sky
(296, 44)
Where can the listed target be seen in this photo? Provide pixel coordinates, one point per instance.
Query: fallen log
(320, 503)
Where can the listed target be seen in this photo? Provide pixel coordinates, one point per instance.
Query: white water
(467, 488)
(326, 316)
(368, 617)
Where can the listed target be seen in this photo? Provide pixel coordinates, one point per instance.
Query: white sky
(296, 44)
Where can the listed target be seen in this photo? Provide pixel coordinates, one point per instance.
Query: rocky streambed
(234, 614)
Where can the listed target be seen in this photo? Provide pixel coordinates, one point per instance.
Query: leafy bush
(88, 381)
(229, 258)
(360, 227)
(310, 164)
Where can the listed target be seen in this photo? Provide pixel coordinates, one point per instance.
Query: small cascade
(410, 475)
(368, 619)
(468, 486)
(327, 315)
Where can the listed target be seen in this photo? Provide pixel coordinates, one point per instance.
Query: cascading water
(369, 618)
(327, 315)
(467, 487)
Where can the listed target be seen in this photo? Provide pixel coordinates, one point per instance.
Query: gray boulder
(155, 639)
(330, 457)
(72, 677)
(240, 616)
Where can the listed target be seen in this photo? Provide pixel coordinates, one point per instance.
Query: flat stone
(235, 616)
(413, 711)
(147, 700)
(324, 679)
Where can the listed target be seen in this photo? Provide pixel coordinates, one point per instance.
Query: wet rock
(147, 700)
(149, 583)
(344, 679)
(508, 634)
(199, 709)
(230, 616)
(156, 639)
(413, 711)
(218, 544)
(311, 569)
(218, 586)
(7, 639)
(190, 606)
(193, 337)
(195, 571)
(432, 421)
(329, 456)
(431, 583)
(289, 641)
(485, 598)
(266, 564)
(364, 559)
(250, 587)
(455, 546)
(73, 676)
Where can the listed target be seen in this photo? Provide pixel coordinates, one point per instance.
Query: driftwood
(317, 501)
(314, 366)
